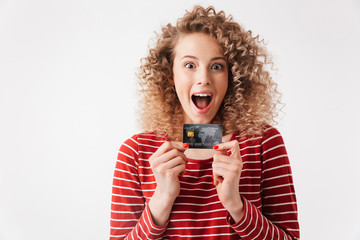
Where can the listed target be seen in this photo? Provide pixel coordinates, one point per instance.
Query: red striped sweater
(266, 188)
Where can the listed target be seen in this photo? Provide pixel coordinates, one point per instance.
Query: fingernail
(185, 145)
(216, 147)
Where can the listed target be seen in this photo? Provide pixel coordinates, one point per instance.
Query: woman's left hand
(226, 175)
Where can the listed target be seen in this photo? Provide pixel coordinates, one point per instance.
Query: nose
(204, 77)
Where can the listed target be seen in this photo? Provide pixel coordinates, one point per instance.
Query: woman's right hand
(167, 163)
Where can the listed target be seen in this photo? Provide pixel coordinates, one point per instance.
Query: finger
(167, 146)
(168, 156)
(232, 163)
(179, 146)
(231, 166)
(162, 149)
(172, 154)
(174, 162)
(179, 169)
(172, 167)
(233, 146)
(225, 171)
(220, 151)
(217, 176)
(218, 157)
(228, 166)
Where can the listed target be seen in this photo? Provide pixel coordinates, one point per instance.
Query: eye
(217, 66)
(190, 65)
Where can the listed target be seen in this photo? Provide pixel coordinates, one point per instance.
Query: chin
(202, 120)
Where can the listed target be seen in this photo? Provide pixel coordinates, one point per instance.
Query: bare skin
(199, 67)
(169, 161)
(226, 172)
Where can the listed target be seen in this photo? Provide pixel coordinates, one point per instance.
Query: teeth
(202, 95)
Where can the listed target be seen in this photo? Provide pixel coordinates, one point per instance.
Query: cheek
(182, 90)
(181, 87)
(182, 84)
(225, 87)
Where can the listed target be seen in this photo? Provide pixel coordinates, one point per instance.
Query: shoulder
(133, 147)
(273, 147)
(151, 139)
(143, 140)
(268, 132)
(269, 137)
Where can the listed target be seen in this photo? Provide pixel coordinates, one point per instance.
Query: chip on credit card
(202, 135)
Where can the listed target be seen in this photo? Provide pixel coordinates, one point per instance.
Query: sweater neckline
(200, 161)
(206, 160)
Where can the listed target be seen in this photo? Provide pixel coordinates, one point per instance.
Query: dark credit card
(202, 135)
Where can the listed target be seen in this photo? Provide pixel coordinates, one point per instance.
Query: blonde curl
(252, 98)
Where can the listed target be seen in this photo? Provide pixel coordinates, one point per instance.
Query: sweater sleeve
(130, 215)
(279, 217)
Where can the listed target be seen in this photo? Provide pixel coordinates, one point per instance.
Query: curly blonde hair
(251, 99)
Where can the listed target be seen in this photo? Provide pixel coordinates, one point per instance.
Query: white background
(67, 101)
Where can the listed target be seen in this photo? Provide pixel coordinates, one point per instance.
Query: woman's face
(200, 77)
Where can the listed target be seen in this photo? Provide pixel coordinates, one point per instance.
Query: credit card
(202, 135)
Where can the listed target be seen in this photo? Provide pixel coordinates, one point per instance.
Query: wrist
(160, 206)
(236, 209)
(164, 197)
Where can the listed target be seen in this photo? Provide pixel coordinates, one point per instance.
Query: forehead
(198, 45)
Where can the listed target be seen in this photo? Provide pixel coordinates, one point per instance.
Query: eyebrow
(215, 58)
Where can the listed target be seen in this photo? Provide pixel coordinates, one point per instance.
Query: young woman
(206, 69)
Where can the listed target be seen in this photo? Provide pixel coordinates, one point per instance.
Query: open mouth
(201, 100)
